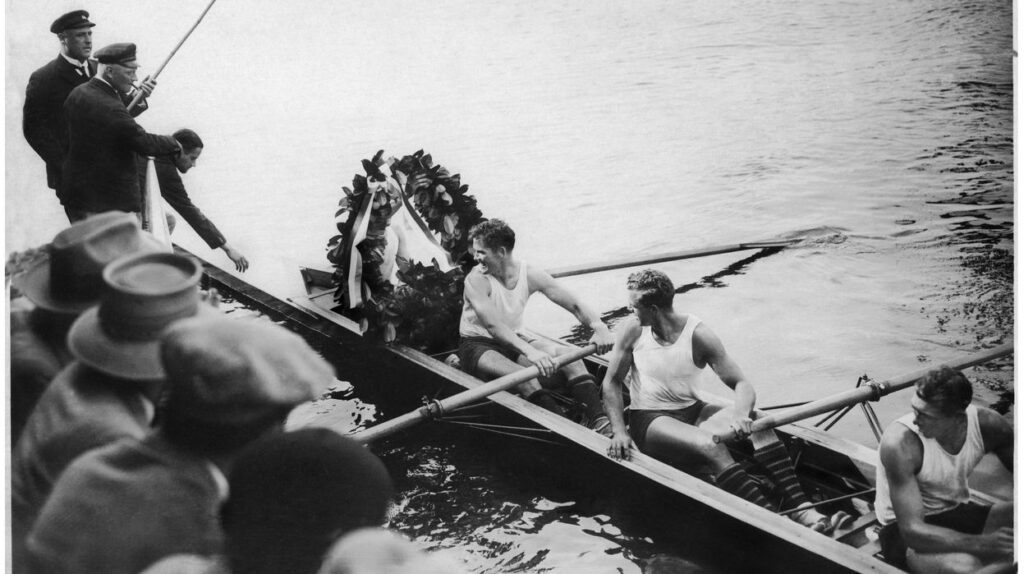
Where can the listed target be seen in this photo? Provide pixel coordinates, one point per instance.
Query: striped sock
(736, 481)
(775, 459)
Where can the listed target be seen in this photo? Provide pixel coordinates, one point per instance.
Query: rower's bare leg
(772, 454)
(493, 364)
(580, 383)
(680, 445)
(1001, 515)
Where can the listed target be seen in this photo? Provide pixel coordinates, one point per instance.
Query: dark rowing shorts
(639, 420)
(472, 348)
(968, 518)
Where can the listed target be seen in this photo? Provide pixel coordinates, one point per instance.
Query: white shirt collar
(73, 61)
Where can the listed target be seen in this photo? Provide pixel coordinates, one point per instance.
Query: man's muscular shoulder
(900, 446)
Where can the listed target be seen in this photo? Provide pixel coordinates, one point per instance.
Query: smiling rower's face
(489, 258)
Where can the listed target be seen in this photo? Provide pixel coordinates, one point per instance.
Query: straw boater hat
(143, 294)
(70, 280)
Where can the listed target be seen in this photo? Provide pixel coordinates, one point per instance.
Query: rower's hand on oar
(741, 426)
(543, 361)
(619, 446)
(604, 340)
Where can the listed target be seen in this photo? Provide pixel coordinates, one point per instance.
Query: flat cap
(121, 53)
(75, 19)
(235, 371)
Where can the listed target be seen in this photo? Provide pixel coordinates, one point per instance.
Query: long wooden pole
(464, 398)
(138, 97)
(569, 271)
(870, 392)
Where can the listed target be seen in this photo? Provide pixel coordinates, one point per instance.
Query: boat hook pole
(870, 392)
(437, 408)
(138, 97)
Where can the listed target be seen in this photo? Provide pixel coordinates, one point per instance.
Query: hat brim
(35, 284)
(132, 360)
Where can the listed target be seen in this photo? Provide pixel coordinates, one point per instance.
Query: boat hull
(770, 541)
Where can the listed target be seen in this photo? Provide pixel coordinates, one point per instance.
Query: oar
(869, 392)
(138, 97)
(464, 398)
(672, 256)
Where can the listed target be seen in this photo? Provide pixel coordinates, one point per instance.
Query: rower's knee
(715, 453)
(528, 388)
(1000, 515)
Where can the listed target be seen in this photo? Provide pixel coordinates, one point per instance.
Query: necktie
(85, 70)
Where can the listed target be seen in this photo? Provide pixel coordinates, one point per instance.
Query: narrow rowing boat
(834, 470)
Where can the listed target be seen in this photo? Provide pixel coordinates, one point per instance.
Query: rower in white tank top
(664, 377)
(943, 476)
(509, 304)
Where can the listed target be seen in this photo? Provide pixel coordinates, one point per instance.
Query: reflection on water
(525, 515)
(880, 132)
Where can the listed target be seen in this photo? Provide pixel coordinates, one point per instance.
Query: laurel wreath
(423, 310)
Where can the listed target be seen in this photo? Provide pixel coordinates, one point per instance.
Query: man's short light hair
(494, 233)
(655, 288)
(947, 389)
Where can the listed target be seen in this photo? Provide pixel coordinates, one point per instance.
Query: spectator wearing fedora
(42, 116)
(100, 172)
(57, 289)
(110, 390)
(122, 508)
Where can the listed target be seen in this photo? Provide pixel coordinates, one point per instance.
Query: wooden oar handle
(874, 391)
(438, 408)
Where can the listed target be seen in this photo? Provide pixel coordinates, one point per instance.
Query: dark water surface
(881, 133)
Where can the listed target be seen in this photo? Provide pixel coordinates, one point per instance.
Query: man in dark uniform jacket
(172, 189)
(100, 171)
(48, 87)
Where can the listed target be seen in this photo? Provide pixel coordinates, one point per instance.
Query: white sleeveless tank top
(509, 303)
(664, 377)
(943, 476)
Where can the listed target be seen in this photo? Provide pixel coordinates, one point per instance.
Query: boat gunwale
(325, 323)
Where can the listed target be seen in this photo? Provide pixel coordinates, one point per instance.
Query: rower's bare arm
(619, 362)
(708, 349)
(476, 290)
(542, 281)
(997, 433)
(901, 454)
